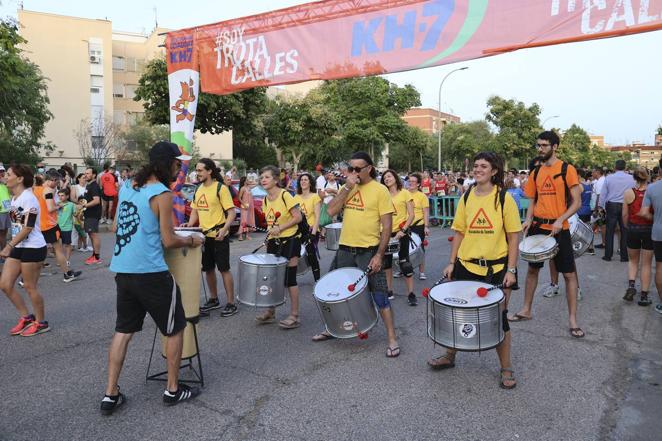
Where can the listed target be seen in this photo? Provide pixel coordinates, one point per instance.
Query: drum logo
(467, 330)
(264, 290)
(348, 326)
(455, 300)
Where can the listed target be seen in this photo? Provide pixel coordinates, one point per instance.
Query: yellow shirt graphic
(364, 206)
(307, 206)
(421, 201)
(211, 206)
(400, 206)
(270, 208)
(483, 227)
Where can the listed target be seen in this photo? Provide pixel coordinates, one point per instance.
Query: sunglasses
(356, 169)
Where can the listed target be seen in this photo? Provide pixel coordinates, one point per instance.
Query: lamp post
(439, 120)
(547, 119)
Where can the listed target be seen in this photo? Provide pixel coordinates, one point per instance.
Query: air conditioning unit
(94, 59)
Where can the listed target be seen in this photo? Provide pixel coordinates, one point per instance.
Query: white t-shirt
(334, 185)
(21, 209)
(517, 182)
(319, 182)
(597, 186)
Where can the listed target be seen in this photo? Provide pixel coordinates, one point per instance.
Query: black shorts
(460, 272)
(51, 235)
(216, 252)
(639, 237)
(403, 254)
(288, 248)
(91, 225)
(153, 293)
(565, 258)
(66, 237)
(29, 255)
(420, 230)
(657, 247)
(107, 198)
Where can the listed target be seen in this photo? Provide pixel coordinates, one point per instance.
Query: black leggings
(311, 255)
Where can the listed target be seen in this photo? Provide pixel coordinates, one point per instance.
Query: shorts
(80, 231)
(657, 246)
(565, 258)
(5, 222)
(91, 225)
(66, 237)
(28, 255)
(51, 235)
(403, 254)
(153, 293)
(361, 259)
(288, 248)
(216, 252)
(107, 198)
(460, 272)
(420, 230)
(639, 237)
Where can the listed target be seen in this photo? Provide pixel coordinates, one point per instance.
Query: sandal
(504, 378)
(577, 332)
(436, 365)
(266, 318)
(323, 337)
(291, 322)
(393, 352)
(518, 318)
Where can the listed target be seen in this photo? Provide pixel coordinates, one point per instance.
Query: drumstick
(541, 241)
(426, 291)
(352, 286)
(266, 239)
(482, 291)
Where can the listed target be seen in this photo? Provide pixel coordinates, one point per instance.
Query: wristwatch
(512, 270)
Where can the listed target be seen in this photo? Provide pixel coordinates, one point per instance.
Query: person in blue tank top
(143, 226)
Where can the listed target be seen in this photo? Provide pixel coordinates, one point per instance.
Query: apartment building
(429, 120)
(92, 72)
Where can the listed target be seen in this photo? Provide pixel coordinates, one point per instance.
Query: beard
(546, 157)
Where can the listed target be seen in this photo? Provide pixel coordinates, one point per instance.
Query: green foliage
(412, 151)
(659, 130)
(517, 126)
(140, 137)
(462, 141)
(24, 100)
(575, 147)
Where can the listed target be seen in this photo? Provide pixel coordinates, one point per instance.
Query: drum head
(415, 241)
(263, 259)
(334, 285)
(574, 223)
(463, 294)
(335, 226)
(538, 243)
(189, 232)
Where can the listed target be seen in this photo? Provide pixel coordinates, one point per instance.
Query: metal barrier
(442, 209)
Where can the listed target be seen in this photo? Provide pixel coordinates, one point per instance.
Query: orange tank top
(46, 220)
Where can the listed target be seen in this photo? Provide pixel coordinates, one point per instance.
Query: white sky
(609, 87)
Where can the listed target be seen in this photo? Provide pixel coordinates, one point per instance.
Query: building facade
(92, 73)
(429, 120)
(644, 155)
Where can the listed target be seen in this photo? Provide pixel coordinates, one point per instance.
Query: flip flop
(518, 318)
(577, 332)
(511, 377)
(393, 352)
(438, 367)
(323, 337)
(290, 322)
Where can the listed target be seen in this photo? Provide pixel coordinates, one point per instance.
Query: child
(78, 224)
(65, 219)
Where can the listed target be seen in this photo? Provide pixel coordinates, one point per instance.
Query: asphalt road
(264, 383)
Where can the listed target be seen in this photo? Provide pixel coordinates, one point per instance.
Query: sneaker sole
(19, 332)
(108, 412)
(229, 315)
(36, 333)
(69, 280)
(213, 308)
(549, 296)
(174, 403)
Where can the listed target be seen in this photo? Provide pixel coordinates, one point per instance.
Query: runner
(213, 207)
(5, 206)
(421, 217)
(108, 193)
(651, 209)
(284, 240)
(24, 254)
(493, 260)
(144, 284)
(310, 205)
(65, 220)
(92, 215)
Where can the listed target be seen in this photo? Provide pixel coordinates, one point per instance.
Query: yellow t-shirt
(307, 206)
(400, 208)
(421, 201)
(211, 207)
(270, 208)
(483, 227)
(364, 207)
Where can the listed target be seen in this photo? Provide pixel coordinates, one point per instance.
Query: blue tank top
(138, 247)
(585, 208)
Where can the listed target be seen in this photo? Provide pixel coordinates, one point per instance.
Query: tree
(460, 142)
(369, 112)
(576, 148)
(100, 140)
(659, 130)
(140, 137)
(412, 152)
(215, 113)
(24, 100)
(517, 125)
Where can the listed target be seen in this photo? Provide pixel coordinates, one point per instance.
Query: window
(118, 91)
(131, 64)
(119, 63)
(95, 90)
(95, 50)
(130, 90)
(96, 80)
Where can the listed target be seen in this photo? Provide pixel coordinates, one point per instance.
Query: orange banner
(347, 38)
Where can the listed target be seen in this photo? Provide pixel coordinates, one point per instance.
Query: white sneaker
(551, 291)
(422, 276)
(89, 248)
(397, 274)
(579, 294)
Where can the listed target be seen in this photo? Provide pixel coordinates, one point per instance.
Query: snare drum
(416, 252)
(393, 246)
(581, 235)
(345, 314)
(303, 267)
(333, 236)
(459, 319)
(538, 248)
(262, 280)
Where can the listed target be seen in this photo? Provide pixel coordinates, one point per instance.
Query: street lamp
(439, 121)
(547, 119)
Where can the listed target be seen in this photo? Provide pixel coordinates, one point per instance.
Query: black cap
(166, 150)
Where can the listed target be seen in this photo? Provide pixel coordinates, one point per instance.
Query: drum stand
(162, 376)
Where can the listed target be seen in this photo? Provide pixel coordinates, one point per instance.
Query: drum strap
(489, 264)
(540, 220)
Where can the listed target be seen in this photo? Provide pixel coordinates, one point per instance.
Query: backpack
(564, 172)
(303, 228)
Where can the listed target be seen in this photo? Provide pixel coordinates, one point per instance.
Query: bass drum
(262, 280)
